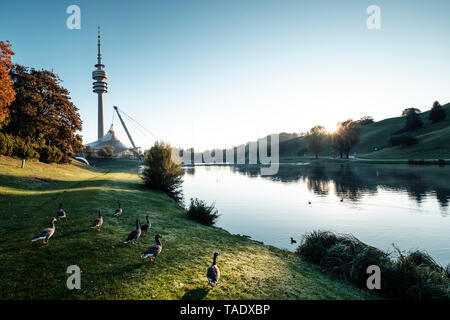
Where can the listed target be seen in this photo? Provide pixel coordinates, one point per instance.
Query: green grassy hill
(434, 141)
(113, 270)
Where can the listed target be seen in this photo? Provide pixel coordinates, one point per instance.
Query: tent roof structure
(109, 139)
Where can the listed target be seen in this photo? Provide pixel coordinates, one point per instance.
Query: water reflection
(382, 204)
(353, 181)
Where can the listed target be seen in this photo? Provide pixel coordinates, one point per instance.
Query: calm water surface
(382, 204)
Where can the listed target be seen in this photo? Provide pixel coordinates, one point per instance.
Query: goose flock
(212, 272)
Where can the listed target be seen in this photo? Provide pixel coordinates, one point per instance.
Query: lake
(382, 204)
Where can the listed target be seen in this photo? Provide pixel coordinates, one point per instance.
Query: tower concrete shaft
(100, 86)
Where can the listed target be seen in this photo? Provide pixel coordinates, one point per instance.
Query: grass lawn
(113, 270)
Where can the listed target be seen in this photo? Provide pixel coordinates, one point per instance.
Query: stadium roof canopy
(109, 139)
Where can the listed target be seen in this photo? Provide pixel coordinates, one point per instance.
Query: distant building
(110, 139)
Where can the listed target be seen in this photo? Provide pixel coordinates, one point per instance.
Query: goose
(154, 250)
(146, 226)
(293, 241)
(135, 234)
(118, 211)
(213, 271)
(98, 222)
(61, 213)
(46, 233)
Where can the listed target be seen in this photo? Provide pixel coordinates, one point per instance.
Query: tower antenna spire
(100, 86)
(99, 57)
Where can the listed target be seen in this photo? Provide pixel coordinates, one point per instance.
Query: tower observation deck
(100, 86)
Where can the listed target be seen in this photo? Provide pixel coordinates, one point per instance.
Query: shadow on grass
(195, 294)
(127, 268)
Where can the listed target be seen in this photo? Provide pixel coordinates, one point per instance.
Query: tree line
(37, 117)
(342, 140)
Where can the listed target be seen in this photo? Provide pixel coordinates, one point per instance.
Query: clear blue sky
(218, 73)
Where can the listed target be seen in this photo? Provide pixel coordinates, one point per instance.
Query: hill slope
(113, 270)
(434, 141)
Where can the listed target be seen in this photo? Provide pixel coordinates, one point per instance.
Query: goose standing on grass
(293, 241)
(154, 250)
(118, 211)
(61, 213)
(98, 222)
(146, 226)
(46, 233)
(135, 234)
(213, 271)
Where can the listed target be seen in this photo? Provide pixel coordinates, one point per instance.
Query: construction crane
(134, 149)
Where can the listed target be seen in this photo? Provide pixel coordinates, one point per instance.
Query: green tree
(43, 112)
(162, 173)
(407, 111)
(365, 120)
(413, 120)
(316, 139)
(437, 113)
(345, 137)
(106, 152)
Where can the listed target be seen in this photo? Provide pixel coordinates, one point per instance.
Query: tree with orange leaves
(7, 94)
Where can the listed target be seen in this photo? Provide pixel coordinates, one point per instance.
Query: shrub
(412, 276)
(201, 212)
(338, 260)
(6, 145)
(364, 258)
(403, 140)
(161, 173)
(407, 280)
(106, 152)
(24, 149)
(315, 245)
(17, 147)
(27, 149)
(49, 154)
(421, 258)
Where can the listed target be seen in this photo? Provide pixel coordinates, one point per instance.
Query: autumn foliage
(7, 94)
(43, 112)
